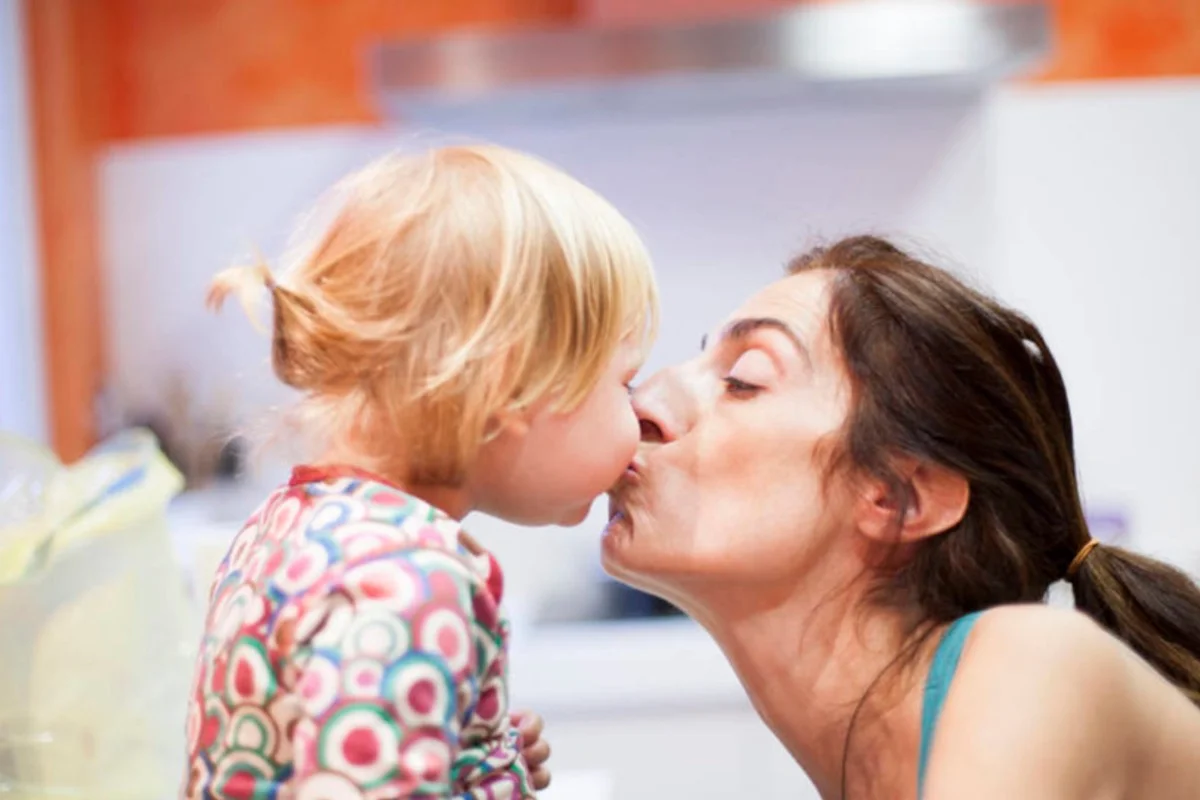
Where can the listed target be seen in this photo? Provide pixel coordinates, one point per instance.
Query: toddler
(462, 335)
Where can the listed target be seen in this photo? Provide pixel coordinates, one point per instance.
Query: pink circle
(240, 786)
(421, 697)
(434, 768)
(310, 687)
(243, 679)
(273, 561)
(297, 568)
(209, 732)
(218, 675)
(377, 587)
(489, 704)
(447, 642)
(443, 587)
(365, 678)
(361, 747)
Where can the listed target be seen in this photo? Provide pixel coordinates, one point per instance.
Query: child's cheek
(625, 434)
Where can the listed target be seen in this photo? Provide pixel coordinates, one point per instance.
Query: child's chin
(575, 517)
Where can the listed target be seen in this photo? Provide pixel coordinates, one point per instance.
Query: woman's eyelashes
(736, 387)
(750, 373)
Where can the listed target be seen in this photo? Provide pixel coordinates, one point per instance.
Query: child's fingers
(540, 778)
(537, 753)
(530, 725)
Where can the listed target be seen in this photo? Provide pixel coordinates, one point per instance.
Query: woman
(863, 459)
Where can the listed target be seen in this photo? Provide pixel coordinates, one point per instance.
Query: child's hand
(534, 748)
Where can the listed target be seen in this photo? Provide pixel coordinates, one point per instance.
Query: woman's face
(730, 481)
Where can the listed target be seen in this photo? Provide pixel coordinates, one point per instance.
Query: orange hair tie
(1081, 556)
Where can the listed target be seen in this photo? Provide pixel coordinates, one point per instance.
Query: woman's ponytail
(1153, 607)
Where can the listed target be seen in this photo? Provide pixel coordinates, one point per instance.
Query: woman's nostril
(650, 431)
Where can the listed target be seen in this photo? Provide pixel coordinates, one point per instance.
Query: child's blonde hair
(452, 286)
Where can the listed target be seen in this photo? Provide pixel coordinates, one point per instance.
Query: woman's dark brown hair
(946, 374)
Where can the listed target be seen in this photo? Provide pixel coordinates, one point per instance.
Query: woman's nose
(661, 407)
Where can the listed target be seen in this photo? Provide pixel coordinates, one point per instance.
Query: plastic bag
(94, 666)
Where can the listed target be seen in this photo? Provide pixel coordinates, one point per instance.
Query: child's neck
(451, 501)
(454, 501)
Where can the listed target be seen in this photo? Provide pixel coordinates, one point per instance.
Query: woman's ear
(937, 501)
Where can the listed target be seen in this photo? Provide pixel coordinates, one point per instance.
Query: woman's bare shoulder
(1047, 698)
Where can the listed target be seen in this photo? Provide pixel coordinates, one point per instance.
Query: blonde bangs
(597, 288)
(571, 280)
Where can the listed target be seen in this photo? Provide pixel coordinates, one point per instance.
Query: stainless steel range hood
(851, 48)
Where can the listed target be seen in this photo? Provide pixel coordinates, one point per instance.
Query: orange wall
(114, 70)
(68, 113)
(197, 66)
(105, 70)
(1099, 39)
(200, 66)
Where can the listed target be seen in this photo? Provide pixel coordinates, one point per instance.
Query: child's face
(547, 468)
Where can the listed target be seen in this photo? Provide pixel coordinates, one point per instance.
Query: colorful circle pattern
(353, 650)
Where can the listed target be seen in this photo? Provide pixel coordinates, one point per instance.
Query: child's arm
(396, 673)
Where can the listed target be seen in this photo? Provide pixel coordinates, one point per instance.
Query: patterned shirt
(353, 649)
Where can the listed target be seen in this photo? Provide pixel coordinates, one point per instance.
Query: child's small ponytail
(245, 282)
(308, 350)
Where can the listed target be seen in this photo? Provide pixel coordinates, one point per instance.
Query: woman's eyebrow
(741, 328)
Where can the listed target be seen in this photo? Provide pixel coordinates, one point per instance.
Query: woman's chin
(624, 552)
(616, 540)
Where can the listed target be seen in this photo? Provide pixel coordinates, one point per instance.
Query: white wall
(722, 204)
(1078, 203)
(1097, 237)
(22, 397)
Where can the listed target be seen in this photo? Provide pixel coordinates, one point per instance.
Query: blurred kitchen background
(1049, 150)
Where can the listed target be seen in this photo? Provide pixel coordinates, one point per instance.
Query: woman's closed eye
(750, 374)
(739, 388)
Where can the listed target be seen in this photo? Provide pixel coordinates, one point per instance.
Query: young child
(462, 335)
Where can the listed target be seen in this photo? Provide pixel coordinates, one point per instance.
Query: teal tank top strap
(941, 673)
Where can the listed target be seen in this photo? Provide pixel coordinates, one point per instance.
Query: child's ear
(509, 422)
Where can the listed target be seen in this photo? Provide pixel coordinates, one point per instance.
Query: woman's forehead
(800, 300)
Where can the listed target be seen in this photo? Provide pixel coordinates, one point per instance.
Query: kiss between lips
(616, 505)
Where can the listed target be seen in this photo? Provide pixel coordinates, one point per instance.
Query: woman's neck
(807, 660)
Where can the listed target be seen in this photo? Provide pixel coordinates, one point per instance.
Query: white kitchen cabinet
(655, 706)
(685, 754)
